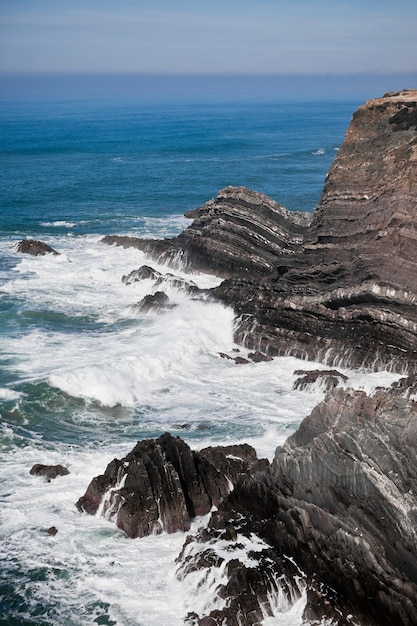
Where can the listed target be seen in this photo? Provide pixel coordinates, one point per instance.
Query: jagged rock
(143, 273)
(350, 471)
(35, 248)
(259, 357)
(340, 502)
(238, 232)
(327, 379)
(146, 272)
(337, 286)
(49, 471)
(158, 301)
(162, 484)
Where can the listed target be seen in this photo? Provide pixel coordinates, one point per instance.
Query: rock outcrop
(161, 485)
(240, 232)
(335, 513)
(48, 471)
(35, 247)
(338, 285)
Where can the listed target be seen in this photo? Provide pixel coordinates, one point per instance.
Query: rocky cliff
(334, 517)
(337, 285)
(336, 514)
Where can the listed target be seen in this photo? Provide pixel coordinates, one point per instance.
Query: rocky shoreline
(338, 285)
(335, 513)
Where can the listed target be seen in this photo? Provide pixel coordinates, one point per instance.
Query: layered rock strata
(337, 509)
(240, 232)
(337, 285)
(161, 485)
(334, 517)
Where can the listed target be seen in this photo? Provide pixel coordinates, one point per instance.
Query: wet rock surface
(48, 471)
(337, 285)
(162, 484)
(35, 248)
(336, 513)
(327, 379)
(158, 301)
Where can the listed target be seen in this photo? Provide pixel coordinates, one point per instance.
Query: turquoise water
(82, 375)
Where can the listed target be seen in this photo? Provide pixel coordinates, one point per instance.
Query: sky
(206, 38)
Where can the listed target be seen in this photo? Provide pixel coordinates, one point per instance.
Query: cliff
(337, 285)
(334, 516)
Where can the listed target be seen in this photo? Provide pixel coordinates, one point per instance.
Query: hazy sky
(215, 36)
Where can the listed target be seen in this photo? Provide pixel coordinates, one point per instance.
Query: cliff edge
(337, 285)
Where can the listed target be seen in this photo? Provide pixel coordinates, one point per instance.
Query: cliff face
(338, 285)
(334, 516)
(339, 501)
(350, 290)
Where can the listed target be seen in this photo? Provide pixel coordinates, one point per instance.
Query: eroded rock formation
(339, 503)
(35, 247)
(337, 285)
(162, 484)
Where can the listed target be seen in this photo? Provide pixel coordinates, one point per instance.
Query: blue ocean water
(83, 376)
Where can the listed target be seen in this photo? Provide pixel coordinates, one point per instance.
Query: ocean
(83, 375)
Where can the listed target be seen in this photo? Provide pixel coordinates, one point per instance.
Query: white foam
(9, 394)
(59, 224)
(166, 366)
(88, 562)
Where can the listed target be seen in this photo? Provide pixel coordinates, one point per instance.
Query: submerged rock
(158, 301)
(145, 272)
(35, 248)
(327, 379)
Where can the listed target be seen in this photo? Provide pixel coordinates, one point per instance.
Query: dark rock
(35, 248)
(146, 272)
(335, 514)
(259, 357)
(162, 484)
(143, 273)
(240, 360)
(337, 286)
(158, 301)
(327, 379)
(254, 577)
(48, 471)
(52, 531)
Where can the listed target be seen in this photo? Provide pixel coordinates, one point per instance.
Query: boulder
(158, 301)
(162, 485)
(48, 471)
(35, 248)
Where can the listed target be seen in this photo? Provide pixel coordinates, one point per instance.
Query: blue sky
(216, 37)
